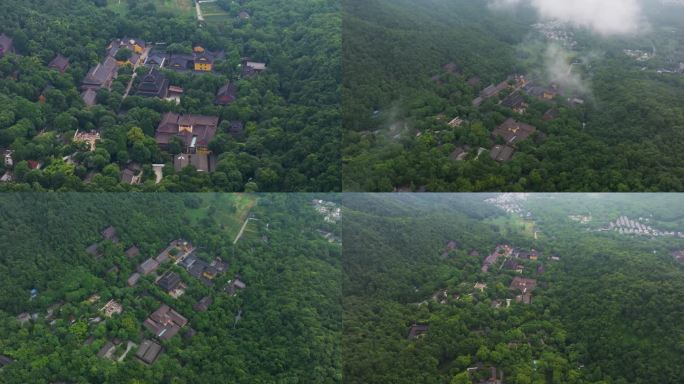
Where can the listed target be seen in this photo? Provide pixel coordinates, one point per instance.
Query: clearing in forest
(227, 210)
(213, 13)
(512, 224)
(180, 7)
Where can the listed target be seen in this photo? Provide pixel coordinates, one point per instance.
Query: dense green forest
(605, 310)
(397, 100)
(284, 327)
(290, 112)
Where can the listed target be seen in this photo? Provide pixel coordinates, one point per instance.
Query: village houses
(165, 322)
(103, 74)
(199, 61)
(226, 94)
(91, 138)
(513, 131)
(252, 68)
(417, 330)
(194, 131)
(59, 63)
(149, 351)
(501, 153)
(153, 84)
(111, 308)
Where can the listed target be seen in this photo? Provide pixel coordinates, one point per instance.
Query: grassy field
(180, 7)
(213, 13)
(510, 224)
(228, 210)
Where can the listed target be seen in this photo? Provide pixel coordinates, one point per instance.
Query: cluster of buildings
(511, 203)
(330, 211)
(524, 286)
(155, 83)
(557, 32)
(638, 54)
(165, 322)
(544, 93)
(511, 254)
(200, 60)
(103, 74)
(194, 132)
(182, 253)
(202, 270)
(625, 225)
(501, 250)
(514, 82)
(177, 250)
(516, 102)
(508, 252)
(331, 237)
(511, 130)
(582, 219)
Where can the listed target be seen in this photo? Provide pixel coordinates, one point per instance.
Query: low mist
(604, 17)
(559, 70)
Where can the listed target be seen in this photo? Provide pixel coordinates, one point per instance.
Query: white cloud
(605, 17)
(559, 70)
(498, 4)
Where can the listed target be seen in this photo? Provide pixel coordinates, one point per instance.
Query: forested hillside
(411, 68)
(282, 326)
(604, 310)
(279, 131)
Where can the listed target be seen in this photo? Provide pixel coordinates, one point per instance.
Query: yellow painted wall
(202, 67)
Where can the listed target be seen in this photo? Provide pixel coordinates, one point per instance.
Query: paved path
(242, 229)
(199, 12)
(130, 346)
(157, 168)
(141, 59)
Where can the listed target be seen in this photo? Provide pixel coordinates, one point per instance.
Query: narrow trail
(242, 229)
(199, 11)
